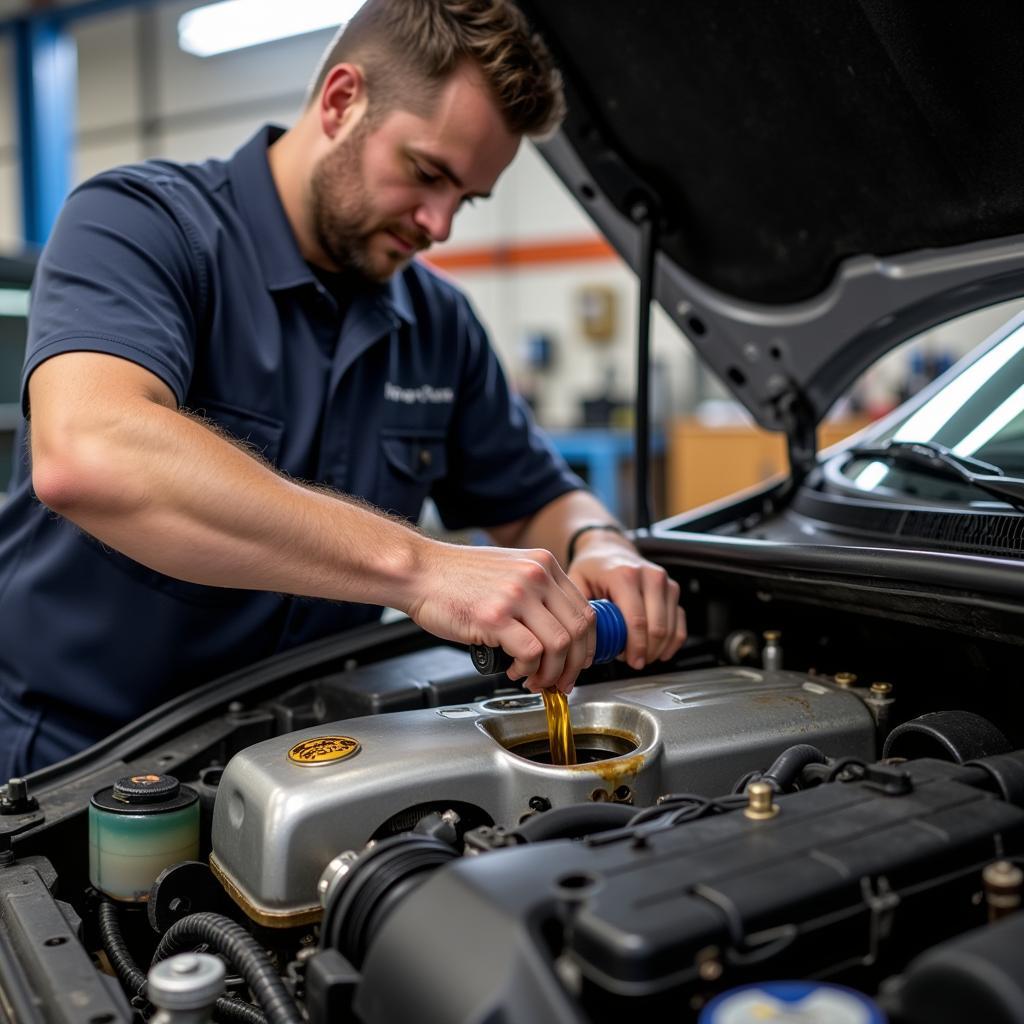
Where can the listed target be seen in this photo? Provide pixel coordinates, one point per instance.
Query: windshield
(979, 414)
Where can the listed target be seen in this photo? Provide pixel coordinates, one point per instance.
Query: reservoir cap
(146, 789)
(144, 794)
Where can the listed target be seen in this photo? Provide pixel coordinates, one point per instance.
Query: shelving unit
(15, 277)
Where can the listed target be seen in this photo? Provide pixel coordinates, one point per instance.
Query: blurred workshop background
(88, 85)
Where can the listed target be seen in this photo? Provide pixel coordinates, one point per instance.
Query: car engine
(385, 839)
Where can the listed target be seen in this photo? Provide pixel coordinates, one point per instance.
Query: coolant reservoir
(137, 827)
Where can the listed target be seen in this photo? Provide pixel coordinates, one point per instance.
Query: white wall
(10, 204)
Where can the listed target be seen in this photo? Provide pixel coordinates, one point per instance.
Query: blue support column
(46, 69)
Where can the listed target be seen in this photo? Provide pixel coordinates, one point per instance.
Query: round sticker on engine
(323, 750)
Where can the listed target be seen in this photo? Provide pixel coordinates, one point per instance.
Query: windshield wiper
(937, 459)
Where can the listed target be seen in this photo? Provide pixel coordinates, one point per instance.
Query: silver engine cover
(278, 823)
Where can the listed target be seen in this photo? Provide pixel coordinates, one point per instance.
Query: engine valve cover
(287, 806)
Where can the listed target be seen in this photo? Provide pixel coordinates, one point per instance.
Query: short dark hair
(407, 49)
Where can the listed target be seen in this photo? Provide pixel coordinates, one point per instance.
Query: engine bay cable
(242, 951)
(133, 979)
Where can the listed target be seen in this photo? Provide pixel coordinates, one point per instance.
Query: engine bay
(818, 798)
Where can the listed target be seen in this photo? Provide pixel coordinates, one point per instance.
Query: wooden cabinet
(706, 463)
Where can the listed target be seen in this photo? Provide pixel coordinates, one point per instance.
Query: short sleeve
(119, 275)
(501, 466)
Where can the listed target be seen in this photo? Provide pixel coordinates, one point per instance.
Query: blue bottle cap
(611, 630)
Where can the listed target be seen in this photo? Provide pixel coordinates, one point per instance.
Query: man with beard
(206, 338)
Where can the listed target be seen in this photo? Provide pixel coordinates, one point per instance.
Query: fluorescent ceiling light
(234, 24)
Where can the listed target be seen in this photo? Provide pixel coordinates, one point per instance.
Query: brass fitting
(1003, 881)
(760, 806)
(709, 963)
(881, 689)
(845, 679)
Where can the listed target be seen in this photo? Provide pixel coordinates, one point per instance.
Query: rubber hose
(233, 1010)
(574, 821)
(790, 763)
(242, 951)
(133, 980)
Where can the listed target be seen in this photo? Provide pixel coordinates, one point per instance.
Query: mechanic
(241, 388)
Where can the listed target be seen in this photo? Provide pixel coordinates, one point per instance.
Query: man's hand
(519, 600)
(607, 565)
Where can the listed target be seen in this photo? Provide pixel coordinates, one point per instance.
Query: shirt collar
(277, 250)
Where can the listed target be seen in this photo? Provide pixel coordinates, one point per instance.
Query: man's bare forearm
(553, 525)
(176, 496)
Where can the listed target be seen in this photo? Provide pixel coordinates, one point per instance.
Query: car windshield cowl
(932, 457)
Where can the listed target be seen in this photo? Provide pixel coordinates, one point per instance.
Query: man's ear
(342, 98)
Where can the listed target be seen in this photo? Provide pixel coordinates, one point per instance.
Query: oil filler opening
(602, 730)
(590, 747)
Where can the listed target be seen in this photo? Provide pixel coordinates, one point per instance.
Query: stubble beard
(342, 214)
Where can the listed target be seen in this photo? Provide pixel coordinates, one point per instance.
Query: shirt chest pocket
(410, 463)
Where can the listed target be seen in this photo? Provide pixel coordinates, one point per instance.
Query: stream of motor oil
(563, 746)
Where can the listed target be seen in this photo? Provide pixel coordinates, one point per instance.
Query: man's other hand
(608, 566)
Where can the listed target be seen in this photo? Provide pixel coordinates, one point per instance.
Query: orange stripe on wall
(525, 254)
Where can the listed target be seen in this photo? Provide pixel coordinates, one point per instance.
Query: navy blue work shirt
(193, 272)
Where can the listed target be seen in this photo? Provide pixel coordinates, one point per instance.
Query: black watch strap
(584, 529)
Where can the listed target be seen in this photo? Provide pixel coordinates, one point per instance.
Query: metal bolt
(760, 806)
(1003, 873)
(771, 657)
(639, 211)
(180, 905)
(17, 790)
(845, 679)
(1003, 881)
(710, 970)
(709, 966)
(881, 689)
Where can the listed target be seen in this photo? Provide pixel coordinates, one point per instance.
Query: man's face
(391, 187)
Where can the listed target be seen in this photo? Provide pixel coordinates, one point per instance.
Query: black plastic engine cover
(847, 875)
(430, 678)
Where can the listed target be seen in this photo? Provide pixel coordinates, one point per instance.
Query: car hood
(828, 179)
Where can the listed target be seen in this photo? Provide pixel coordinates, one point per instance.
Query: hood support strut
(801, 428)
(644, 214)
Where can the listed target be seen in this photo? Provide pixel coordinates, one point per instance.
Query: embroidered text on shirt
(424, 394)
